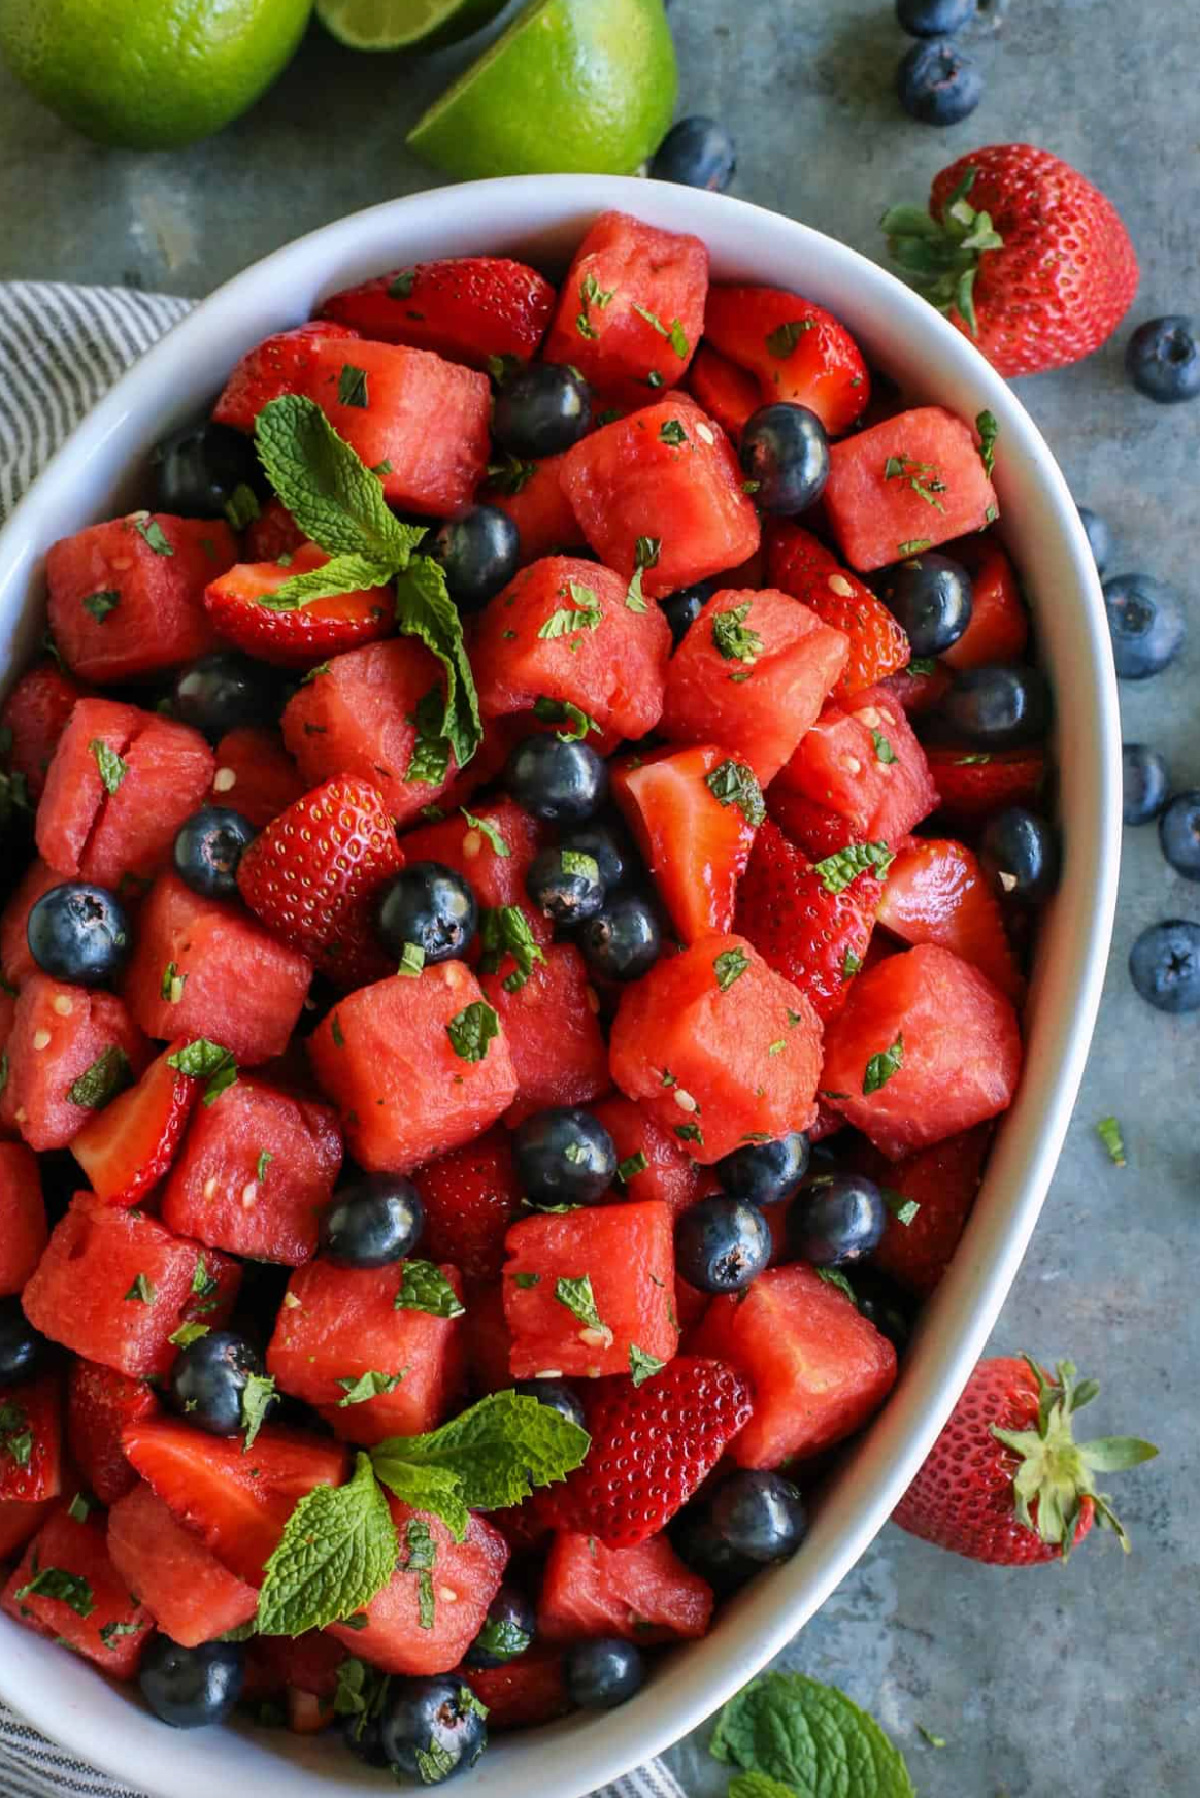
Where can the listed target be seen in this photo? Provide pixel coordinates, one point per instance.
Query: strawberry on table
(905, 486)
(642, 1592)
(35, 715)
(800, 564)
(255, 774)
(942, 1181)
(936, 892)
(67, 1587)
(22, 1216)
(243, 606)
(70, 1050)
(798, 351)
(470, 1197)
(971, 785)
(726, 392)
(129, 1147)
(862, 760)
(468, 308)
(101, 1404)
(187, 1591)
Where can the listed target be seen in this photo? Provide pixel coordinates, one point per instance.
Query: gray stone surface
(1075, 1683)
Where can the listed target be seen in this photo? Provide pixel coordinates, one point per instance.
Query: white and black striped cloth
(61, 348)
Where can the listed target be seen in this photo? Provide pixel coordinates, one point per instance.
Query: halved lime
(404, 24)
(577, 86)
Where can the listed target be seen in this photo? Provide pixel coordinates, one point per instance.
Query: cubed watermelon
(562, 630)
(667, 475)
(752, 674)
(101, 1404)
(126, 598)
(16, 962)
(204, 967)
(338, 1324)
(522, 1693)
(256, 1169)
(22, 1216)
(31, 1417)
(187, 1591)
(493, 848)
(19, 1521)
(413, 1066)
(69, 1050)
(35, 715)
(862, 761)
(651, 1162)
(67, 1587)
(558, 1051)
(75, 791)
(819, 1368)
(626, 1252)
(925, 1048)
(115, 1285)
(905, 485)
(645, 1593)
(532, 495)
(719, 1048)
(694, 842)
(255, 774)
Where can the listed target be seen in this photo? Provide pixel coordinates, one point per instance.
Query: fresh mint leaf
(728, 966)
(101, 604)
(16, 1437)
(783, 339)
(412, 960)
(111, 1633)
(883, 750)
(430, 759)
(421, 1560)
(592, 294)
(578, 862)
(258, 1395)
(837, 871)
(424, 1287)
(561, 711)
(580, 1301)
(352, 387)
(583, 613)
(988, 427)
(672, 432)
(833, 1276)
(811, 1737)
(643, 1367)
(733, 783)
(1109, 1132)
(152, 533)
(920, 665)
(881, 1067)
(172, 984)
(759, 1785)
(503, 1638)
(112, 769)
(79, 1509)
(368, 1386)
(512, 475)
(646, 552)
(902, 1209)
(434, 1763)
(401, 284)
(100, 1083)
(525, 1281)
(732, 639)
(207, 1061)
(913, 546)
(339, 1548)
(425, 610)
(186, 1334)
(851, 965)
(58, 1582)
(690, 1133)
(330, 492)
(350, 573)
(142, 1290)
(632, 1164)
(472, 1029)
(505, 930)
(242, 507)
(487, 829)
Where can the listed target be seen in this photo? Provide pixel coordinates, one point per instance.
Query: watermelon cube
(22, 1216)
(31, 1440)
(488, 1340)
(187, 1591)
(400, 1635)
(531, 493)
(19, 1521)
(562, 630)
(719, 1048)
(237, 1504)
(726, 392)
(69, 1050)
(392, 396)
(631, 309)
(861, 760)
(115, 1285)
(339, 1323)
(651, 1162)
(925, 1048)
(101, 1404)
(644, 1594)
(626, 1252)
(558, 1051)
(522, 1693)
(495, 859)
(91, 1609)
(75, 793)
(682, 491)
(204, 967)
(798, 351)
(254, 1174)
(254, 774)
(16, 962)
(905, 485)
(695, 844)
(126, 598)
(35, 715)
(413, 1066)
(752, 674)
(361, 717)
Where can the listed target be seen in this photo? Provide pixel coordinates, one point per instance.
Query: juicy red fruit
(467, 308)
(470, 1197)
(36, 712)
(130, 1146)
(101, 1404)
(695, 845)
(105, 1623)
(798, 351)
(31, 1440)
(236, 603)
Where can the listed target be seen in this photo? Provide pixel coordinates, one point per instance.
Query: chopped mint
(690, 1133)
(352, 386)
(580, 1301)
(108, 1075)
(172, 984)
(837, 871)
(487, 829)
(112, 769)
(632, 1164)
(503, 1638)
(833, 1277)
(186, 1334)
(142, 1290)
(583, 613)
(914, 546)
(904, 1210)
(472, 1029)
(883, 750)
(674, 333)
(242, 508)
(728, 966)
(643, 1367)
(505, 930)
(1109, 1132)
(207, 1061)
(101, 604)
(851, 965)
(152, 533)
(412, 960)
(367, 1386)
(112, 1632)
(881, 1067)
(989, 429)
(784, 338)
(903, 468)
(672, 432)
(265, 1158)
(401, 285)
(80, 1508)
(920, 665)
(16, 1437)
(934, 1740)
(258, 1396)
(512, 475)
(56, 1582)
(561, 711)
(525, 1281)
(733, 783)
(577, 861)
(424, 1287)
(732, 639)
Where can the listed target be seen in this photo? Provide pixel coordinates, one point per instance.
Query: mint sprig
(424, 1287)
(351, 573)
(505, 930)
(326, 485)
(338, 1549)
(424, 609)
(792, 1732)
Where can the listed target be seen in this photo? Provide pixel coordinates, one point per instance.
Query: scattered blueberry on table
(1163, 359)
(1146, 783)
(938, 82)
(697, 152)
(1146, 622)
(1179, 833)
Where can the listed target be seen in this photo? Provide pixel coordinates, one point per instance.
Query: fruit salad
(526, 856)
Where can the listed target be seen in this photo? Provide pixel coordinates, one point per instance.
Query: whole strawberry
(470, 1197)
(1022, 253)
(1005, 1481)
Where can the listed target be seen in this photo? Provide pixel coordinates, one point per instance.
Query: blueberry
(378, 1220)
(1146, 782)
(79, 933)
(431, 1728)
(1146, 623)
(1162, 359)
(721, 1244)
(607, 844)
(208, 1379)
(507, 1631)
(696, 153)
(561, 783)
(836, 1220)
(221, 691)
(542, 410)
(558, 1395)
(197, 470)
(1164, 965)
(564, 1155)
(191, 1687)
(938, 83)
(1179, 833)
(430, 905)
(764, 1172)
(1098, 535)
(930, 596)
(565, 885)
(479, 550)
(363, 1736)
(624, 939)
(23, 1350)
(208, 848)
(761, 1515)
(883, 1304)
(784, 448)
(682, 608)
(998, 706)
(699, 1546)
(933, 18)
(1020, 853)
(602, 1673)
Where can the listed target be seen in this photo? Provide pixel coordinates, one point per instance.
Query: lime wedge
(577, 86)
(404, 24)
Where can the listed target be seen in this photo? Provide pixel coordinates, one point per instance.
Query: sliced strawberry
(129, 1146)
(999, 627)
(31, 1457)
(942, 1181)
(313, 874)
(524, 1692)
(726, 392)
(32, 720)
(972, 785)
(651, 1162)
(255, 774)
(281, 364)
(101, 1404)
(801, 565)
(469, 308)
(936, 892)
(652, 1445)
(695, 843)
(816, 938)
(272, 534)
(918, 688)
(798, 351)
(818, 829)
(471, 1196)
(237, 604)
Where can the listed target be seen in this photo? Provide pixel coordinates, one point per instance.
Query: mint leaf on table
(258, 1395)
(424, 1287)
(327, 487)
(424, 609)
(338, 1550)
(100, 1083)
(810, 1737)
(349, 573)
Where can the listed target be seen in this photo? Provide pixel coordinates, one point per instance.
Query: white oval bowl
(97, 474)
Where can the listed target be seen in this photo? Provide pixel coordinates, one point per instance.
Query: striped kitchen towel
(61, 347)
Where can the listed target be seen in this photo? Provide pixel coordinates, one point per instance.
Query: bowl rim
(588, 1752)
